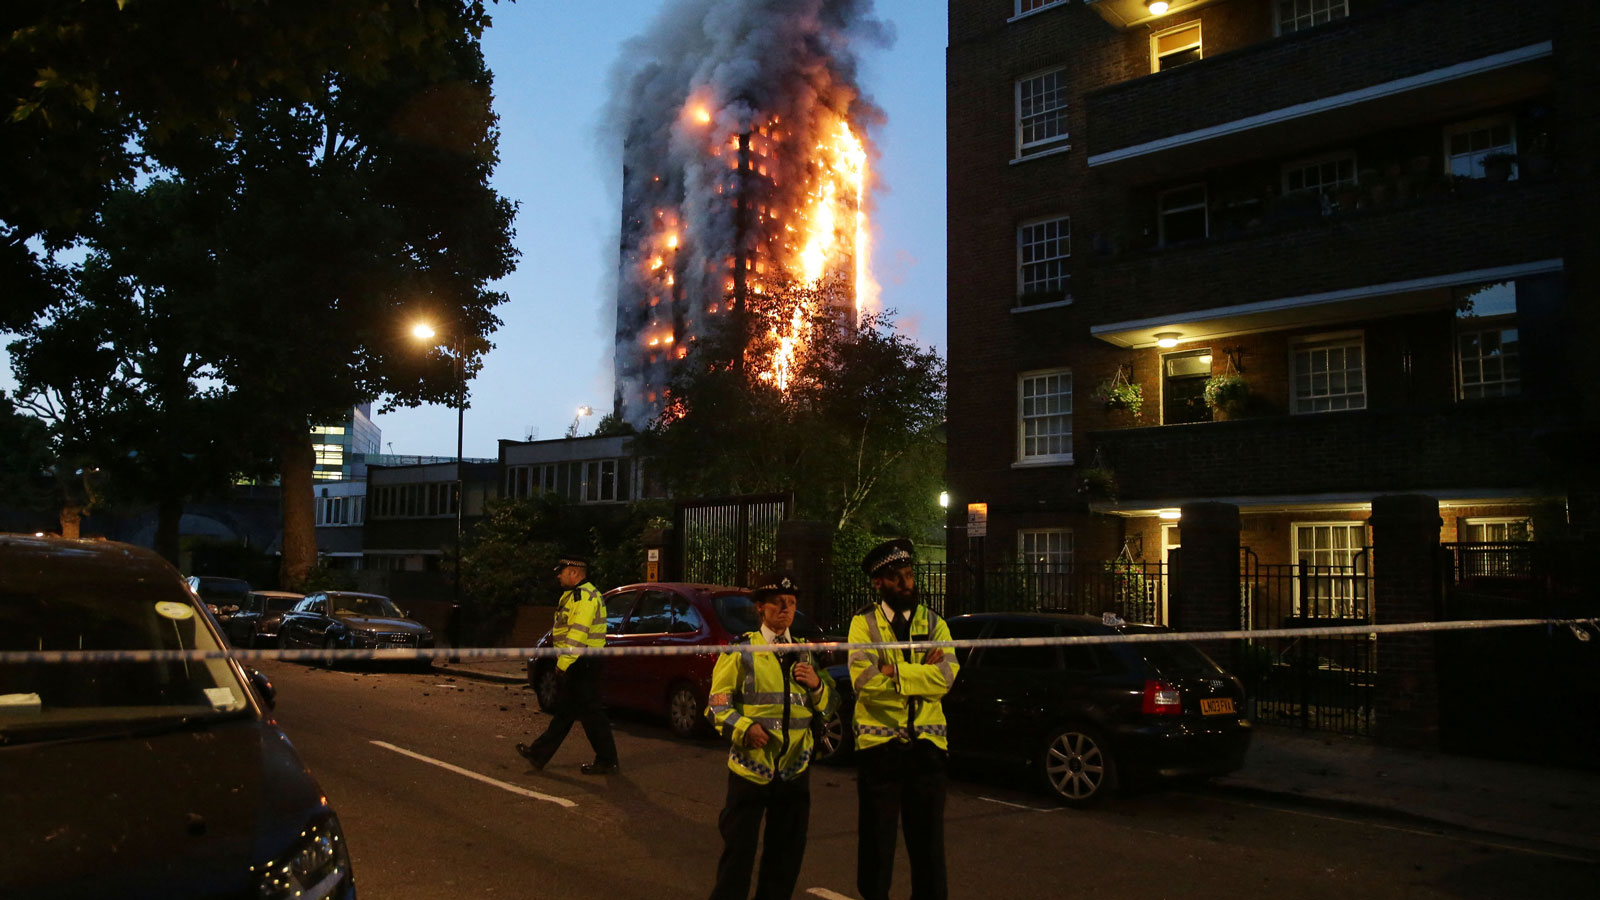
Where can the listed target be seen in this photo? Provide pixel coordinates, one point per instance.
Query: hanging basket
(1117, 393)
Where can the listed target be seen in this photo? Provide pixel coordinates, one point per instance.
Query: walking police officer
(900, 729)
(764, 704)
(580, 622)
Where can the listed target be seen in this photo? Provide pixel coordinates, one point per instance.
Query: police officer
(900, 729)
(580, 622)
(764, 704)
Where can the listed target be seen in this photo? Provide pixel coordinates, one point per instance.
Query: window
(1175, 47)
(1044, 416)
(1043, 250)
(600, 481)
(1323, 174)
(1020, 657)
(1045, 550)
(1183, 386)
(1469, 144)
(653, 615)
(1182, 213)
(329, 454)
(1498, 530)
(617, 610)
(1041, 112)
(1298, 15)
(1487, 358)
(1329, 375)
(327, 429)
(1333, 565)
(1027, 6)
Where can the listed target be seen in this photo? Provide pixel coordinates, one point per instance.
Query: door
(618, 606)
(1171, 541)
(1183, 387)
(631, 680)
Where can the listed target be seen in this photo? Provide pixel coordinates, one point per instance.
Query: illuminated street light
(944, 499)
(424, 332)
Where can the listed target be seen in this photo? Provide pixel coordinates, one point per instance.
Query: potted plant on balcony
(1227, 392)
(1098, 482)
(1117, 392)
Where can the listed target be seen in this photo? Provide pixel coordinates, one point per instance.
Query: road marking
(1417, 831)
(826, 894)
(1022, 805)
(505, 786)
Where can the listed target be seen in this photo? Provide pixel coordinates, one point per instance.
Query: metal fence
(731, 540)
(1322, 683)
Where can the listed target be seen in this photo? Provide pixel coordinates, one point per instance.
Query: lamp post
(423, 331)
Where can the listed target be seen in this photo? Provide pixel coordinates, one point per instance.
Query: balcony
(1480, 445)
(1401, 64)
(1320, 270)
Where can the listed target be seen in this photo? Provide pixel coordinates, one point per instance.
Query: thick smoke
(780, 73)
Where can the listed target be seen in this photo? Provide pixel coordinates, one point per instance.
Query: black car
(151, 779)
(223, 595)
(345, 620)
(1084, 717)
(259, 616)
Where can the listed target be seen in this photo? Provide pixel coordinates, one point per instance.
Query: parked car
(143, 779)
(259, 616)
(223, 595)
(666, 614)
(1087, 717)
(345, 620)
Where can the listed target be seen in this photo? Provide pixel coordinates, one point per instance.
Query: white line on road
(559, 801)
(1022, 805)
(826, 894)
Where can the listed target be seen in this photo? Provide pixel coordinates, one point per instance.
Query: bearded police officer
(764, 704)
(580, 622)
(900, 729)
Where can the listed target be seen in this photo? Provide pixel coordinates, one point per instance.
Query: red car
(666, 614)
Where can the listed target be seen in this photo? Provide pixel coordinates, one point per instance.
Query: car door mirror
(263, 687)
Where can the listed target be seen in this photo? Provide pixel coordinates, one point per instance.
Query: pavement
(1548, 805)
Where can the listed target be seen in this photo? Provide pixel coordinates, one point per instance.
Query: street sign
(977, 520)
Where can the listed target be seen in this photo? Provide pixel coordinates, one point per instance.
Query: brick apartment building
(1378, 214)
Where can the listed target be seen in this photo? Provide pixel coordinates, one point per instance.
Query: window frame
(1064, 260)
(1359, 580)
(1321, 159)
(1344, 339)
(1017, 12)
(1162, 212)
(1277, 16)
(1478, 521)
(1025, 149)
(1499, 325)
(1480, 124)
(1057, 567)
(1155, 44)
(1022, 457)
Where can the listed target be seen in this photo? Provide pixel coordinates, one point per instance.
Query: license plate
(1216, 706)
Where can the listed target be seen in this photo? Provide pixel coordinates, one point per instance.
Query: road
(436, 803)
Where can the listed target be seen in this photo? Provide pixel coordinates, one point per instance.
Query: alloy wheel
(683, 711)
(1076, 766)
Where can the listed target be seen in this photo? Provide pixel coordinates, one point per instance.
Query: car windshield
(738, 615)
(223, 589)
(281, 604)
(351, 605)
(39, 700)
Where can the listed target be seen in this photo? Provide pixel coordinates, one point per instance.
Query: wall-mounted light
(1156, 7)
(944, 499)
(1167, 339)
(1170, 515)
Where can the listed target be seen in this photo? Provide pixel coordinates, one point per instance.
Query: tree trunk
(71, 516)
(298, 504)
(169, 514)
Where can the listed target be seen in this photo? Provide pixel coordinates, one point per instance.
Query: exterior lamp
(1170, 515)
(1156, 7)
(422, 331)
(1167, 339)
(944, 499)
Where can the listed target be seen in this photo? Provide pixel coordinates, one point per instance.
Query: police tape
(1578, 627)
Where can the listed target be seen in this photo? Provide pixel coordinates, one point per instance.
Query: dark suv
(145, 778)
(1085, 716)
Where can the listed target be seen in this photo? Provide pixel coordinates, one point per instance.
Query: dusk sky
(552, 63)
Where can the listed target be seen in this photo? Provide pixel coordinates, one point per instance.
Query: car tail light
(1162, 699)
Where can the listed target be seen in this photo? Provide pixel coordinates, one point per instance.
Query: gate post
(1405, 549)
(805, 550)
(1207, 593)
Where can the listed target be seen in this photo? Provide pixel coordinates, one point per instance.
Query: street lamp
(572, 431)
(424, 331)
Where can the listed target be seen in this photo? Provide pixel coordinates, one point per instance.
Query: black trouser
(901, 784)
(787, 807)
(578, 700)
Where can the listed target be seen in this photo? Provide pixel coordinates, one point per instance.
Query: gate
(729, 540)
(1317, 682)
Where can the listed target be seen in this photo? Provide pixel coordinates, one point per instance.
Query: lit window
(1043, 251)
(1041, 112)
(1044, 416)
(1175, 47)
(1182, 214)
(1498, 530)
(1333, 565)
(1323, 174)
(1469, 145)
(1298, 15)
(327, 429)
(1329, 375)
(1045, 550)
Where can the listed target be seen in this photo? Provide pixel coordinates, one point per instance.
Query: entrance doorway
(1183, 387)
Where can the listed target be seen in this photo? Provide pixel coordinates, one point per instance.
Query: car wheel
(330, 643)
(684, 711)
(1076, 766)
(544, 688)
(835, 739)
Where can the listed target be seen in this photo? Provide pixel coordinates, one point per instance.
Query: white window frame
(1304, 405)
(1312, 8)
(1042, 145)
(1500, 387)
(1155, 43)
(1040, 6)
(1023, 457)
(1162, 212)
(1300, 165)
(1474, 157)
(1055, 561)
(1065, 259)
(1333, 595)
(1479, 521)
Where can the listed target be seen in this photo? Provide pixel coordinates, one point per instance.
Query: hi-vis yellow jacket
(749, 686)
(580, 622)
(907, 706)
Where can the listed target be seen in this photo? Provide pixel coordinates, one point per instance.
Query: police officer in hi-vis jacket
(900, 729)
(764, 703)
(580, 622)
